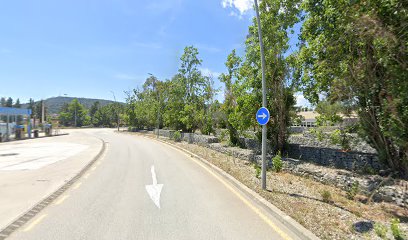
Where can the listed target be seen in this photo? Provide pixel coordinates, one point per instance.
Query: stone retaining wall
(382, 188)
(189, 137)
(333, 157)
(354, 161)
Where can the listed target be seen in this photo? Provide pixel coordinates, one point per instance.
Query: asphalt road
(111, 200)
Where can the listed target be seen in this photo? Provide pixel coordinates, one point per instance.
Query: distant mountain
(55, 104)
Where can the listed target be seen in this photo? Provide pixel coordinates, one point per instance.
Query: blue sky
(89, 48)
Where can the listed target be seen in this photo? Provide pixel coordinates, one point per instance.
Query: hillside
(54, 104)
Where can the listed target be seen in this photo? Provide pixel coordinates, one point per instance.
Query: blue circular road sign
(262, 116)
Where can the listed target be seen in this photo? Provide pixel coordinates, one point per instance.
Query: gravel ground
(301, 198)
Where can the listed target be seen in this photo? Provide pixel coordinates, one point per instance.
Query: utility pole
(42, 112)
(264, 131)
(117, 110)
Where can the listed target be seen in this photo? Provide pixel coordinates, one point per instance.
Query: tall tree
(193, 83)
(74, 114)
(357, 51)
(92, 111)
(9, 102)
(207, 124)
(230, 103)
(105, 116)
(185, 94)
(3, 102)
(277, 19)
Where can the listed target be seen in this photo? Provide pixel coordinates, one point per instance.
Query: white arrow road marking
(154, 190)
(263, 116)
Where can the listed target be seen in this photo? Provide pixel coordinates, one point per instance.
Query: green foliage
(3, 101)
(176, 136)
(335, 137)
(277, 162)
(356, 52)
(92, 111)
(230, 104)
(326, 196)
(276, 25)
(207, 126)
(353, 190)
(183, 103)
(258, 170)
(74, 114)
(396, 232)
(380, 230)
(145, 107)
(105, 116)
(318, 133)
(223, 135)
(328, 113)
(369, 170)
(9, 102)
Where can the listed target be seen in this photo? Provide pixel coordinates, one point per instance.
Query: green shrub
(277, 162)
(369, 170)
(396, 232)
(353, 190)
(223, 135)
(257, 171)
(335, 137)
(207, 127)
(326, 196)
(177, 136)
(319, 135)
(380, 230)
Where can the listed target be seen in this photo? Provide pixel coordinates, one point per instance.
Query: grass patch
(353, 190)
(326, 196)
(380, 230)
(277, 162)
(396, 232)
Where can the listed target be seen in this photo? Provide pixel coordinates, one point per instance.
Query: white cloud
(301, 101)
(207, 72)
(243, 6)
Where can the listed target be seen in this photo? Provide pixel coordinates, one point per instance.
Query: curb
(282, 217)
(33, 211)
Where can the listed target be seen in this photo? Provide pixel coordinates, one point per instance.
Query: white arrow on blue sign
(262, 116)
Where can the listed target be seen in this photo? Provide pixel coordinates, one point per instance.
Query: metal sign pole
(264, 130)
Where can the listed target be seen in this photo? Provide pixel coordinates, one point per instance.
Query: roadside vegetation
(353, 54)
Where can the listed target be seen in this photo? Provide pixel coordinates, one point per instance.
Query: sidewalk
(32, 169)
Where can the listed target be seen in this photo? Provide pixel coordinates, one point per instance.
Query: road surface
(31, 170)
(120, 198)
